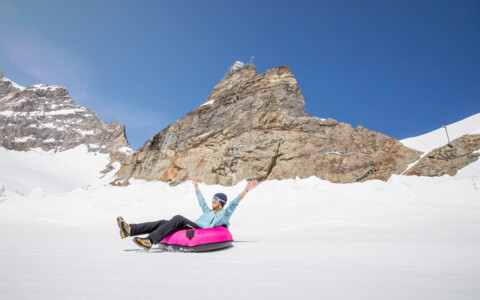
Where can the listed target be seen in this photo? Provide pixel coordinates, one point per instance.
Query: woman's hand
(195, 183)
(251, 185)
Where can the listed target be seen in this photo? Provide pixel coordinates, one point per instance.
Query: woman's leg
(175, 224)
(145, 228)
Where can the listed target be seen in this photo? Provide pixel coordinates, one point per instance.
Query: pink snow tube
(198, 240)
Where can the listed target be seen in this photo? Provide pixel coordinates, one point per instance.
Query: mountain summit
(43, 116)
(255, 126)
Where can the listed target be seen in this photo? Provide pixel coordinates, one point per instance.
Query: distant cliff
(255, 126)
(45, 117)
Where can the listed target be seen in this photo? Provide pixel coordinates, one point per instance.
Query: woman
(158, 230)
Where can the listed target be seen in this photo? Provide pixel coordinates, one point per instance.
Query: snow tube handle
(190, 234)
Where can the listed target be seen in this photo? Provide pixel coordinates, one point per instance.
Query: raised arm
(201, 200)
(231, 207)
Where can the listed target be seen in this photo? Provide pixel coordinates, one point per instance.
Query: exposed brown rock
(255, 126)
(449, 158)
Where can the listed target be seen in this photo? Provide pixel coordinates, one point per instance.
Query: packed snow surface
(408, 238)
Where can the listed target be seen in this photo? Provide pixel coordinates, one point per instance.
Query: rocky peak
(8, 87)
(246, 82)
(46, 91)
(43, 116)
(255, 126)
(238, 65)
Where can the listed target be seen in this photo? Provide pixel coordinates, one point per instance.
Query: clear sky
(402, 68)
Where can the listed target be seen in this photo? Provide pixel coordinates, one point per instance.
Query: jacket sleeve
(201, 201)
(231, 207)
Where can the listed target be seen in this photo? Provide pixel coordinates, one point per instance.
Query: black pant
(161, 229)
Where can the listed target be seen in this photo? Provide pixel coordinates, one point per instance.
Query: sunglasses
(216, 199)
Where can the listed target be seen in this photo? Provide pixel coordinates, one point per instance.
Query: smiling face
(216, 204)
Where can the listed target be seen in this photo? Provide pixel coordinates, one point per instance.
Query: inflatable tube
(197, 240)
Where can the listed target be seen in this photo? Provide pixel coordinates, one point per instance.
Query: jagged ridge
(43, 116)
(255, 126)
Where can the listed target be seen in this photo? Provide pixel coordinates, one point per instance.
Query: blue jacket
(208, 219)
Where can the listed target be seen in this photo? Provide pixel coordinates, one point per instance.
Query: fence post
(448, 138)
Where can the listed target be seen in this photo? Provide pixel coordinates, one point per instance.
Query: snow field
(408, 238)
(53, 172)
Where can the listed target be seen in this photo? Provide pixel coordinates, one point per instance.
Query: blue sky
(402, 68)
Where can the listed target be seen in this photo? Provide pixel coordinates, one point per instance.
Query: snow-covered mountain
(45, 117)
(411, 237)
(48, 141)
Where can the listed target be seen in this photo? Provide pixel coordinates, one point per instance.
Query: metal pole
(447, 133)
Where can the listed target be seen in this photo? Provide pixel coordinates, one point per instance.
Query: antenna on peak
(251, 60)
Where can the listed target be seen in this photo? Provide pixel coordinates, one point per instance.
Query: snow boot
(145, 243)
(124, 228)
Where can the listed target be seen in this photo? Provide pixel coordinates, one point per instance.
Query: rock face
(45, 117)
(255, 126)
(449, 158)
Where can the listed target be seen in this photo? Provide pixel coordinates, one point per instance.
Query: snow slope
(438, 138)
(408, 238)
(53, 172)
